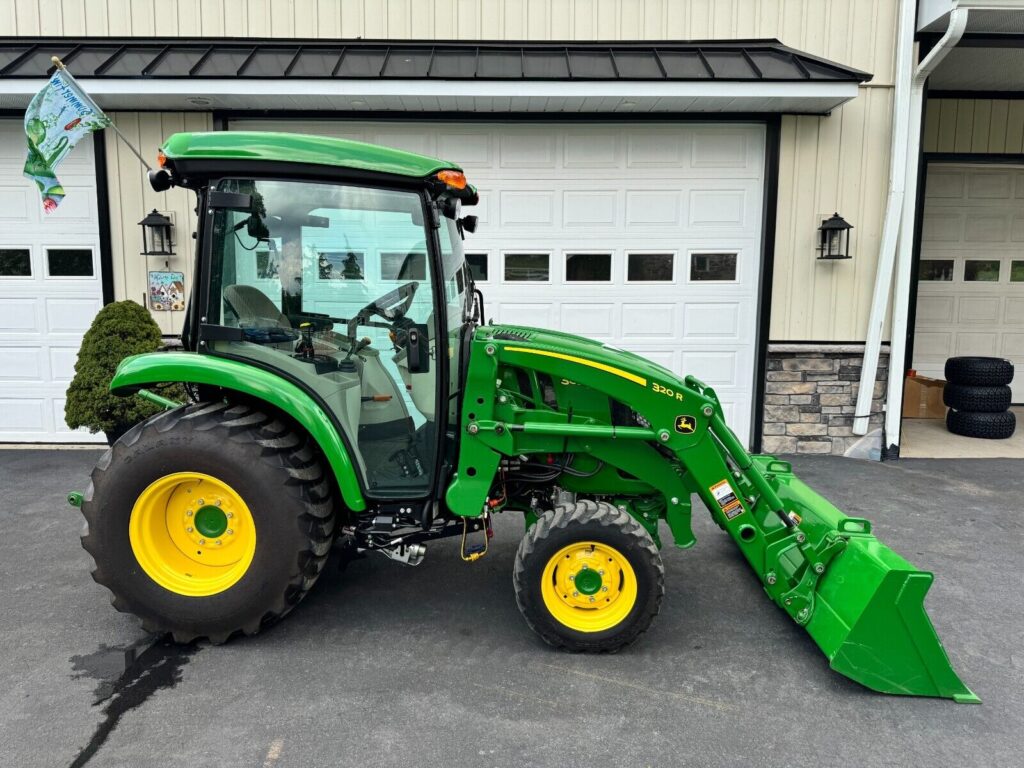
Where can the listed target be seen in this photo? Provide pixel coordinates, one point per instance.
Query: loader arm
(535, 393)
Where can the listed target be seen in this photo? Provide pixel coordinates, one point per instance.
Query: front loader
(347, 394)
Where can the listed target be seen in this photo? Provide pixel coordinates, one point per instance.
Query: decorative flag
(58, 117)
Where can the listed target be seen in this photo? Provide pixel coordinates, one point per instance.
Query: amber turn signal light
(456, 179)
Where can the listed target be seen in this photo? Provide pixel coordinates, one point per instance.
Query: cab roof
(261, 146)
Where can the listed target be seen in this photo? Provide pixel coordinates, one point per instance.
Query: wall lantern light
(156, 235)
(834, 238)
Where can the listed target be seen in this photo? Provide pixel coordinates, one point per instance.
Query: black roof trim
(743, 60)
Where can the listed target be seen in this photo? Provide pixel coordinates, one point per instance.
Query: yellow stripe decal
(582, 361)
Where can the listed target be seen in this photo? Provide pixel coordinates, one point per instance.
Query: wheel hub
(588, 581)
(211, 521)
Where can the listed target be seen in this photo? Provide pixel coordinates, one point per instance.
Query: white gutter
(904, 258)
(899, 210)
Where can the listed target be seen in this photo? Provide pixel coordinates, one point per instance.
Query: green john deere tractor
(347, 393)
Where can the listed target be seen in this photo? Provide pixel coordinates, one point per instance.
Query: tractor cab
(353, 287)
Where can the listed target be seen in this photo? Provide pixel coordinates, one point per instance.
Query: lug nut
(219, 542)
(585, 566)
(200, 502)
(189, 529)
(572, 577)
(604, 589)
(575, 594)
(189, 513)
(202, 541)
(591, 599)
(230, 532)
(229, 515)
(601, 571)
(216, 503)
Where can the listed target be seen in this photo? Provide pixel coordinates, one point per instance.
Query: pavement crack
(157, 667)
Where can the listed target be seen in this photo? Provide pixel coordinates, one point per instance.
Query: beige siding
(839, 163)
(992, 126)
(843, 30)
(131, 197)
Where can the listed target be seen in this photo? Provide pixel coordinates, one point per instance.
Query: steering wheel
(392, 306)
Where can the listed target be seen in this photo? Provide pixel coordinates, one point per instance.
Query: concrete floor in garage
(388, 665)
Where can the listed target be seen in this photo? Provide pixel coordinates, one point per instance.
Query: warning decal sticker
(727, 501)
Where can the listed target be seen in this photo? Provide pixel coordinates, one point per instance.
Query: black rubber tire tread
(964, 397)
(596, 521)
(279, 474)
(979, 371)
(989, 426)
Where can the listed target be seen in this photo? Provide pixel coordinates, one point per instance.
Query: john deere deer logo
(686, 425)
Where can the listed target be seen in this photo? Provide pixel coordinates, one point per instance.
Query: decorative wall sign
(167, 291)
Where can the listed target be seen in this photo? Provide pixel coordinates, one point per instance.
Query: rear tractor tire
(209, 520)
(588, 577)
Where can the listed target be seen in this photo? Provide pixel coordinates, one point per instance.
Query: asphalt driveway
(432, 666)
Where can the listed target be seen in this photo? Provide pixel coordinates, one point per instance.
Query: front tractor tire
(209, 520)
(588, 577)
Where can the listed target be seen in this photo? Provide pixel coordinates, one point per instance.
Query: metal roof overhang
(758, 76)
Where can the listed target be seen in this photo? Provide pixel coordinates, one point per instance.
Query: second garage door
(971, 274)
(645, 237)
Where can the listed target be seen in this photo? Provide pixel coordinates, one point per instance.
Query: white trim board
(454, 95)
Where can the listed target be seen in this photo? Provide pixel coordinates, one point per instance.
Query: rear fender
(140, 371)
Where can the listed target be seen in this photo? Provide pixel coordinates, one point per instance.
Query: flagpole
(60, 65)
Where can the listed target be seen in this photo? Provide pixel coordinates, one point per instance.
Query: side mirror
(468, 224)
(417, 349)
(256, 229)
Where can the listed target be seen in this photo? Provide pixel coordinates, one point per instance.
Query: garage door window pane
(342, 265)
(69, 262)
(477, 266)
(590, 267)
(650, 267)
(981, 271)
(529, 267)
(403, 266)
(1017, 271)
(713, 267)
(15, 262)
(936, 269)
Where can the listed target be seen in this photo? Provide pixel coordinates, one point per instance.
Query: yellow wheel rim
(589, 586)
(192, 534)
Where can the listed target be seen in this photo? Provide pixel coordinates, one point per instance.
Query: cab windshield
(333, 286)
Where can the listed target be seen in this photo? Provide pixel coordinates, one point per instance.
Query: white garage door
(971, 278)
(50, 290)
(645, 237)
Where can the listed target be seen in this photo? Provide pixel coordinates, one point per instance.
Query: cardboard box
(922, 398)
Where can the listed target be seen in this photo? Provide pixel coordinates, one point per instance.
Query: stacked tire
(978, 395)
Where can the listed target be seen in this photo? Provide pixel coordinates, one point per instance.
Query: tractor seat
(253, 308)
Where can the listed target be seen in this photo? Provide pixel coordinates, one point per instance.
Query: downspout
(905, 254)
(890, 225)
(902, 173)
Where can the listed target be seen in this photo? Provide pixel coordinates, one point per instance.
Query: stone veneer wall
(811, 394)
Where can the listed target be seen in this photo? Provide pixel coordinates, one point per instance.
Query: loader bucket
(869, 615)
